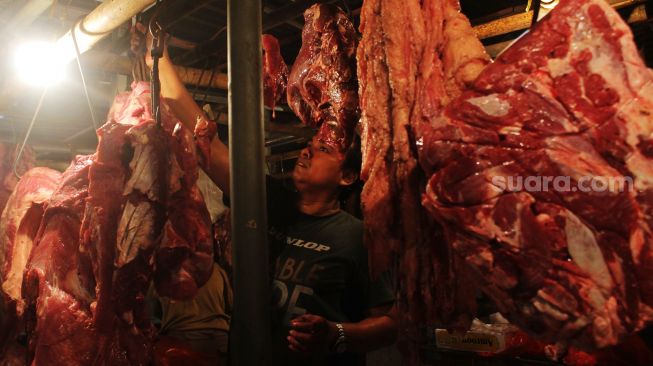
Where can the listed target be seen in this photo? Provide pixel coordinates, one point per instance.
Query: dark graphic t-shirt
(319, 267)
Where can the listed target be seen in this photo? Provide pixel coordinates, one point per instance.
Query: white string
(29, 131)
(81, 73)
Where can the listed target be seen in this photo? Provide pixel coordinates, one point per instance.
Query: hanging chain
(157, 52)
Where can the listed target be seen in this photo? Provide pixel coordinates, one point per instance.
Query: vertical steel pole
(250, 335)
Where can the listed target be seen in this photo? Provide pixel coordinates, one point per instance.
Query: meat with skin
(570, 99)
(406, 62)
(322, 85)
(275, 72)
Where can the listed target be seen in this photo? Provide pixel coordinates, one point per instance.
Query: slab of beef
(8, 179)
(59, 286)
(322, 85)
(19, 223)
(275, 72)
(407, 60)
(184, 259)
(18, 226)
(567, 260)
(127, 215)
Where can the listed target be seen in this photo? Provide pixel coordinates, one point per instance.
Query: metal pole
(250, 335)
(99, 23)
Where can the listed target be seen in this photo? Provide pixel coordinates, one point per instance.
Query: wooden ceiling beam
(522, 21)
(637, 15)
(122, 65)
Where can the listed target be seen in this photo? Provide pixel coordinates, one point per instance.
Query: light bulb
(39, 63)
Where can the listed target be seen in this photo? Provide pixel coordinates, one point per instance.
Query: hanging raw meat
(18, 226)
(322, 85)
(58, 286)
(408, 64)
(275, 72)
(572, 100)
(126, 215)
(19, 222)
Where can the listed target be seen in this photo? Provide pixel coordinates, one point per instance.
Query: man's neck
(317, 204)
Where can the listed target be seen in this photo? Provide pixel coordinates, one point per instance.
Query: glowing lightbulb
(39, 63)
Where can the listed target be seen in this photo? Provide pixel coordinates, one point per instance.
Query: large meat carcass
(409, 61)
(126, 215)
(571, 99)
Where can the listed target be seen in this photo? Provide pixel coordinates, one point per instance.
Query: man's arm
(184, 107)
(312, 333)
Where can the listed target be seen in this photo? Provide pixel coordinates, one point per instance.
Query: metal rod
(99, 23)
(250, 335)
(537, 4)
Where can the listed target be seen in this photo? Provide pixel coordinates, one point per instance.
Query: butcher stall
(505, 190)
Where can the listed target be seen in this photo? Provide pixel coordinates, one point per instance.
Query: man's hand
(311, 334)
(141, 43)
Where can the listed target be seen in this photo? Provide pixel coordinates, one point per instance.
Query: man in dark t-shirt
(326, 309)
(320, 267)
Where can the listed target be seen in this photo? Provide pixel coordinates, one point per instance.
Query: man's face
(319, 167)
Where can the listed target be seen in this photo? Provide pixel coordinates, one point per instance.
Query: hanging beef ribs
(275, 72)
(572, 100)
(322, 86)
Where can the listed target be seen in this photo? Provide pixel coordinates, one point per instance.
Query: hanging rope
(81, 73)
(29, 131)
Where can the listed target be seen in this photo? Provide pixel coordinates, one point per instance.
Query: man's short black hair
(353, 158)
(349, 196)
